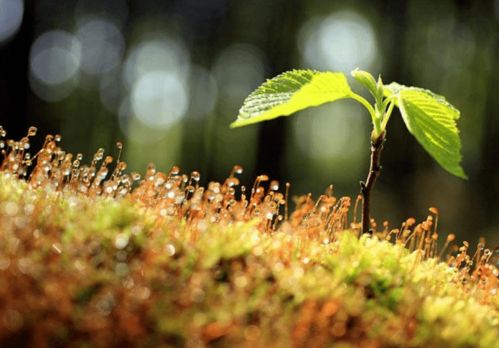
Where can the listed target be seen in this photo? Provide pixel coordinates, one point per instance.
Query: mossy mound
(80, 270)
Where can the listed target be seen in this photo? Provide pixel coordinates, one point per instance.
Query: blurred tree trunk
(489, 174)
(286, 20)
(395, 68)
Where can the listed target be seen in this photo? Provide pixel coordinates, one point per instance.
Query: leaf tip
(463, 175)
(235, 124)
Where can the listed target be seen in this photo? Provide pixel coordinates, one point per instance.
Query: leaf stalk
(375, 119)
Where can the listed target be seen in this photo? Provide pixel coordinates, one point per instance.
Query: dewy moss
(88, 259)
(429, 117)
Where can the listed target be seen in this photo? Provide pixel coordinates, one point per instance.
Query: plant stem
(368, 106)
(374, 171)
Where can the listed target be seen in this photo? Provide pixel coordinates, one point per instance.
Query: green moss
(107, 272)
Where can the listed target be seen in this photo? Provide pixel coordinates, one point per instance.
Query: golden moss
(93, 255)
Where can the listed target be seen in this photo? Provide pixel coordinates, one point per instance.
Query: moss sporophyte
(428, 116)
(91, 255)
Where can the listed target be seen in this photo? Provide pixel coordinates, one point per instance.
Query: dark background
(167, 78)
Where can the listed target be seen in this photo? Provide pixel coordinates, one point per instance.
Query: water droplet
(232, 182)
(195, 176)
(433, 210)
(262, 177)
(237, 169)
(170, 249)
(274, 185)
(121, 241)
(99, 154)
(32, 131)
(175, 170)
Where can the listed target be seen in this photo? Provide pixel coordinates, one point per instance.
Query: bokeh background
(167, 78)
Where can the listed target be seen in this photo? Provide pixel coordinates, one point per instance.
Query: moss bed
(171, 264)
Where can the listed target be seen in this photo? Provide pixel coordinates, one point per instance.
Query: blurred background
(167, 78)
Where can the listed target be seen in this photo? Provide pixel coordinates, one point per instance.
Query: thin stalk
(374, 171)
(388, 113)
(375, 119)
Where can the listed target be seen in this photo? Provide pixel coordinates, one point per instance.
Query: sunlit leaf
(365, 79)
(290, 92)
(393, 89)
(432, 121)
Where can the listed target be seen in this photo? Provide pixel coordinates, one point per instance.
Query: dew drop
(262, 177)
(121, 241)
(108, 160)
(433, 210)
(174, 171)
(31, 131)
(170, 249)
(237, 169)
(274, 185)
(99, 154)
(195, 176)
(231, 182)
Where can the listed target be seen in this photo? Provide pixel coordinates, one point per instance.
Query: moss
(104, 272)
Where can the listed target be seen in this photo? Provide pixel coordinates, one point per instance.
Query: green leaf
(290, 92)
(393, 89)
(366, 79)
(432, 121)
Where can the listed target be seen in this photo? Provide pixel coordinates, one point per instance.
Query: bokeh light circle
(11, 17)
(159, 99)
(55, 57)
(157, 54)
(102, 45)
(341, 41)
(54, 65)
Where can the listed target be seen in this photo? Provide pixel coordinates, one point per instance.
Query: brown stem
(366, 187)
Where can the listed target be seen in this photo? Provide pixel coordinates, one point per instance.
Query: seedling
(428, 116)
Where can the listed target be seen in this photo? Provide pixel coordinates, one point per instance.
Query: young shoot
(428, 116)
